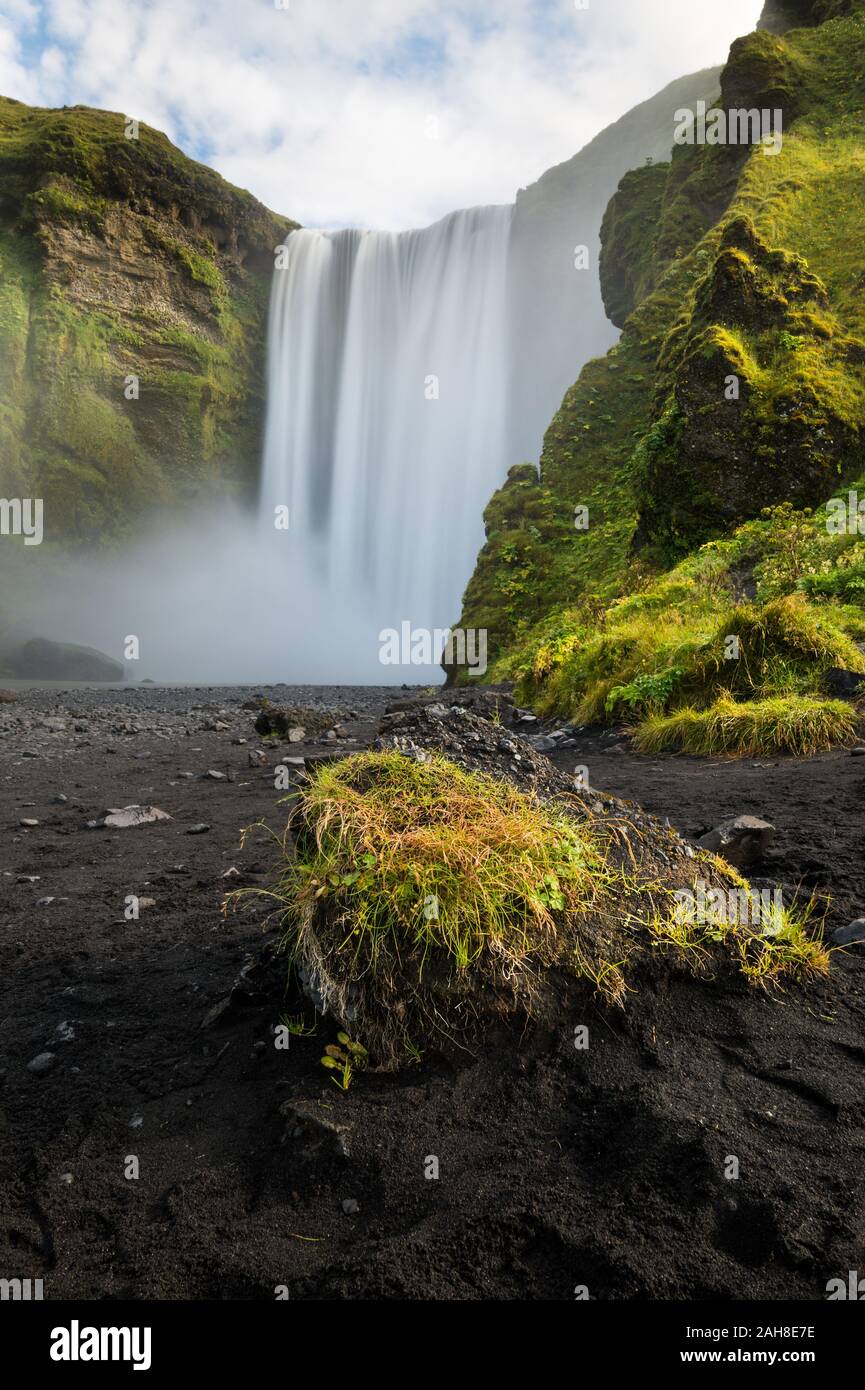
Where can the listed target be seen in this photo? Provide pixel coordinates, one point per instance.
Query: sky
(370, 113)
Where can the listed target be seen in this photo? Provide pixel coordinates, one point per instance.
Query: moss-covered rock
(627, 263)
(121, 258)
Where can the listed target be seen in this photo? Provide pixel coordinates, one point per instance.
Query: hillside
(120, 257)
(724, 263)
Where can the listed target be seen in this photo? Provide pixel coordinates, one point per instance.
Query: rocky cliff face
(133, 296)
(739, 380)
(556, 311)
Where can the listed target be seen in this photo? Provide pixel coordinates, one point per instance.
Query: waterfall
(388, 371)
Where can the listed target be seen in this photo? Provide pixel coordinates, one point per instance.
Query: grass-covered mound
(766, 618)
(425, 901)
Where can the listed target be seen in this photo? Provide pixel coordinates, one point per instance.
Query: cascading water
(388, 371)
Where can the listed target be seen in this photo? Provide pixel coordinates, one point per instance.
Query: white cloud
(323, 109)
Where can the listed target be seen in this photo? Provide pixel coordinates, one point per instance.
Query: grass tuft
(425, 901)
(799, 725)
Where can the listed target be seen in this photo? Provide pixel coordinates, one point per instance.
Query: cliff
(134, 285)
(738, 385)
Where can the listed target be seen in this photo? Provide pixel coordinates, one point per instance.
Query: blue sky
(365, 112)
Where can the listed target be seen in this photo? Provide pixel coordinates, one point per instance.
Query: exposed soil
(557, 1168)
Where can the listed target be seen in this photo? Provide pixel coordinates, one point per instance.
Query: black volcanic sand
(558, 1168)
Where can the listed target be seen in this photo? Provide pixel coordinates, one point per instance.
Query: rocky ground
(145, 1046)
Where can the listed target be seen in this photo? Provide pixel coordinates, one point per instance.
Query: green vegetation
(733, 406)
(791, 724)
(426, 901)
(121, 258)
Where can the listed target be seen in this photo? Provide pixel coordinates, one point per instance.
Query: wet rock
(742, 840)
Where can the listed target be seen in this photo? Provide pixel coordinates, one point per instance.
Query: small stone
(59, 800)
(231, 873)
(857, 753)
(217, 1013)
(200, 829)
(296, 735)
(42, 1063)
(28, 824)
(45, 902)
(257, 757)
(350, 1206)
(64, 1033)
(128, 817)
(851, 935)
(136, 1122)
(214, 776)
(65, 1178)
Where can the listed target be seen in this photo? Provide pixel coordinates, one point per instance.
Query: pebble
(200, 829)
(28, 824)
(213, 776)
(350, 1206)
(42, 1063)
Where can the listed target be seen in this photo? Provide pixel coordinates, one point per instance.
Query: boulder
(742, 840)
(40, 659)
(845, 685)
